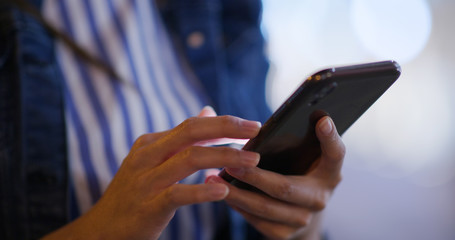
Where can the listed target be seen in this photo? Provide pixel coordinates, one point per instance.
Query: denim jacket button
(195, 39)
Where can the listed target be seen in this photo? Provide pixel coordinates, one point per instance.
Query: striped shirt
(103, 116)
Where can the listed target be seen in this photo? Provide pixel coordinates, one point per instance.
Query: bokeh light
(391, 28)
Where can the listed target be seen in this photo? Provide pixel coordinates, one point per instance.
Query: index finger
(332, 150)
(149, 138)
(197, 129)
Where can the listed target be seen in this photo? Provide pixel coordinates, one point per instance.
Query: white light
(392, 29)
(306, 35)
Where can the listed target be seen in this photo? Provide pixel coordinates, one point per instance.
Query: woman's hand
(144, 194)
(291, 209)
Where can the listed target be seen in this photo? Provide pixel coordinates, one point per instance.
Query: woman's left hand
(291, 209)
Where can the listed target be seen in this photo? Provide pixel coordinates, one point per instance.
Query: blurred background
(399, 172)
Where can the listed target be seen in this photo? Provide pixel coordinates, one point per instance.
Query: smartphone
(287, 141)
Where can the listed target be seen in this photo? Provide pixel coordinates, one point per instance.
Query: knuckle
(133, 159)
(191, 156)
(334, 181)
(260, 208)
(263, 209)
(320, 201)
(284, 190)
(189, 122)
(336, 155)
(189, 127)
(228, 120)
(319, 205)
(341, 151)
(144, 140)
(141, 140)
(337, 180)
(303, 220)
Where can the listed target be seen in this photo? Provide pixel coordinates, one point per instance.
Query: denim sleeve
(33, 167)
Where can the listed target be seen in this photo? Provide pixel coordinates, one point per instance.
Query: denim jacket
(229, 60)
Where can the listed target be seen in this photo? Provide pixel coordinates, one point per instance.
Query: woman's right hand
(144, 194)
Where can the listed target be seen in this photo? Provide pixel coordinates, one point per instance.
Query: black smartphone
(287, 142)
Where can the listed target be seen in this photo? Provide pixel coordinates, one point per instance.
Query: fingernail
(250, 157)
(253, 125)
(219, 191)
(326, 126)
(208, 108)
(213, 179)
(236, 171)
(207, 111)
(209, 179)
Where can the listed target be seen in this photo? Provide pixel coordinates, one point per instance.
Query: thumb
(332, 148)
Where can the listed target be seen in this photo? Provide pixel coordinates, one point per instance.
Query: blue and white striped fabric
(105, 117)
